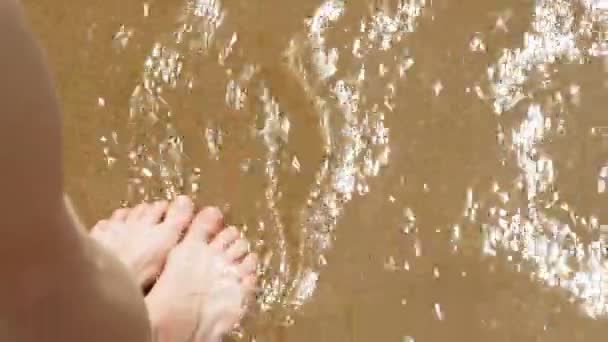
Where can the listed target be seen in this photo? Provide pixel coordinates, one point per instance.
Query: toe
(120, 214)
(249, 286)
(206, 224)
(180, 212)
(225, 238)
(154, 212)
(137, 212)
(249, 265)
(100, 227)
(237, 250)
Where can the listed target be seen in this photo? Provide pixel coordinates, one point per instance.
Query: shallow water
(410, 170)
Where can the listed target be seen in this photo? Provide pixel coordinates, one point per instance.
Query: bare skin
(142, 236)
(183, 310)
(207, 278)
(58, 283)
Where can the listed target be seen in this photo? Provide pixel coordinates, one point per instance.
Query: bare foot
(206, 283)
(141, 237)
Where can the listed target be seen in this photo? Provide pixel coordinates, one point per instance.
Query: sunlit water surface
(409, 170)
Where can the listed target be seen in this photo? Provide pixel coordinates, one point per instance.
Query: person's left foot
(142, 237)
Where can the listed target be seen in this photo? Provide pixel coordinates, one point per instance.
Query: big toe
(180, 212)
(206, 224)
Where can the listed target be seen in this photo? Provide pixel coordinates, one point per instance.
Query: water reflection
(352, 73)
(539, 229)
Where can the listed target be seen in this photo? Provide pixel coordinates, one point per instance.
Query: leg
(58, 284)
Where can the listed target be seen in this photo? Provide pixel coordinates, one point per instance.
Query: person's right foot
(208, 279)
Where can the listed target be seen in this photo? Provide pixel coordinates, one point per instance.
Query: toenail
(231, 271)
(183, 202)
(212, 211)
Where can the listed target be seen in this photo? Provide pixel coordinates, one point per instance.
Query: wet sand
(384, 232)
